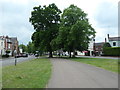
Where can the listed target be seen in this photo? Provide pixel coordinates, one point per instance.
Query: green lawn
(30, 74)
(108, 64)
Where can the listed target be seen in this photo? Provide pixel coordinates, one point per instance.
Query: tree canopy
(70, 32)
(31, 48)
(75, 32)
(46, 21)
(23, 47)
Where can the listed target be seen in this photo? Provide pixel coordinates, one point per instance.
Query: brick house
(99, 48)
(10, 44)
(14, 45)
(2, 48)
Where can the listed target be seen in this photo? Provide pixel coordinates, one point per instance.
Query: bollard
(15, 54)
(15, 61)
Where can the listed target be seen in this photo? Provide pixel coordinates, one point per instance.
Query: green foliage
(46, 21)
(31, 48)
(7, 51)
(106, 45)
(111, 51)
(5, 56)
(23, 47)
(75, 32)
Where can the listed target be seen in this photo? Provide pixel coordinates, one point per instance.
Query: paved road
(11, 61)
(105, 57)
(71, 74)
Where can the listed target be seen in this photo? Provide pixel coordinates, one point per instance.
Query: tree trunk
(70, 54)
(50, 54)
(50, 51)
(73, 53)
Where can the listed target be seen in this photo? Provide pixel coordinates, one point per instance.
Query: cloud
(107, 15)
(106, 20)
(15, 15)
(15, 20)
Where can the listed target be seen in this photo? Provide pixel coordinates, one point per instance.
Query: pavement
(71, 74)
(11, 60)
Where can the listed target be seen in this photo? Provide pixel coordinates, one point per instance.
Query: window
(9, 46)
(114, 43)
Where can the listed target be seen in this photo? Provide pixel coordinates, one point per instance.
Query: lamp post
(15, 52)
(94, 48)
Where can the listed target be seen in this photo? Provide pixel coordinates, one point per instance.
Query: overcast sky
(14, 16)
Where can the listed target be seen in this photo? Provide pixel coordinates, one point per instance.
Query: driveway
(71, 74)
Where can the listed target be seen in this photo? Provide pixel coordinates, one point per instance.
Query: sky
(15, 14)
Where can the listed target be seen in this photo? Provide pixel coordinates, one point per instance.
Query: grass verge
(108, 64)
(30, 74)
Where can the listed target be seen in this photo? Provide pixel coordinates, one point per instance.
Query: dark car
(18, 55)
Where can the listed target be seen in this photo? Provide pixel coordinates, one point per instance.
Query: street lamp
(94, 47)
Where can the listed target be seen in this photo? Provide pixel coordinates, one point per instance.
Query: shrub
(5, 56)
(111, 51)
(7, 51)
(106, 45)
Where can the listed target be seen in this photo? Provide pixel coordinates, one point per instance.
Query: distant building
(14, 44)
(89, 51)
(20, 50)
(91, 47)
(2, 48)
(99, 48)
(9, 44)
(114, 41)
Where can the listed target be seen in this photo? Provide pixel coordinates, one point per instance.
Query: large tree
(46, 21)
(75, 31)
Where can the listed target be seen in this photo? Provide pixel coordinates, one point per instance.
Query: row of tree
(29, 48)
(55, 30)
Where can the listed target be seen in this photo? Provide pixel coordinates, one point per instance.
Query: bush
(5, 56)
(106, 45)
(7, 51)
(111, 51)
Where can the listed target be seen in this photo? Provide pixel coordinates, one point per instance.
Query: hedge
(111, 51)
(5, 56)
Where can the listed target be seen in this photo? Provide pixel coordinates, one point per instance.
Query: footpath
(71, 74)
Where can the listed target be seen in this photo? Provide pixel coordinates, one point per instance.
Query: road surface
(11, 61)
(71, 74)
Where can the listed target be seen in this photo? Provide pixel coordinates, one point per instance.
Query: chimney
(105, 40)
(108, 36)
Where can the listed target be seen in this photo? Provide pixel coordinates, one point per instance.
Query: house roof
(13, 39)
(114, 38)
(99, 44)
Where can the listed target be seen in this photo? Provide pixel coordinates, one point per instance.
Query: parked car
(24, 55)
(21, 55)
(36, 55)
(18, 55)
